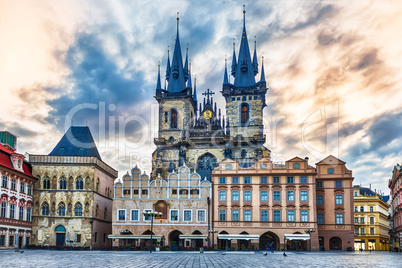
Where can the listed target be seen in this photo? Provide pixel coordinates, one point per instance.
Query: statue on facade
(228, 151)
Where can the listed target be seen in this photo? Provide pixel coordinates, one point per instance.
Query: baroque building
(73, 194)
(16, 195)
(182, 199)
(196, 134)
(395, 186)
(371, 219)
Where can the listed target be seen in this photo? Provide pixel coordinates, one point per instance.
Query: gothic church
(195, 133)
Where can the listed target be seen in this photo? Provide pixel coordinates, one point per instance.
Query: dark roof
(77, 141)
(366, 191)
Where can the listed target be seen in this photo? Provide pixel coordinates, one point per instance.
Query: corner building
(73, 195)
(395, 186)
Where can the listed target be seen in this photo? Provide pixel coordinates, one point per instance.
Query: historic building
(198, 136)
(15, 195)
(334, 195)
(73, 195)
(371, 219)
(182, 198)
(265, 204)
(395, 186)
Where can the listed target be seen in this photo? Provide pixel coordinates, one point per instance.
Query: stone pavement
(51, 258)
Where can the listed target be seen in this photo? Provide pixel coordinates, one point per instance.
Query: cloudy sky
(333, 69)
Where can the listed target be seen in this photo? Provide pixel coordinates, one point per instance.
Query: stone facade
(182, 198)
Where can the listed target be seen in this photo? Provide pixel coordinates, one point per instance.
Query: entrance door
(60, 238)
(20, 242)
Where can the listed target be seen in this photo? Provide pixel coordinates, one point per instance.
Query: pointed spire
(168, 67)
(201, 108)
(186, 70)
(223, 123)
(158, 83)
(195, 91)
(225, 78)
(189, 75)
(262, 71)
(255, 62)
(234, 63)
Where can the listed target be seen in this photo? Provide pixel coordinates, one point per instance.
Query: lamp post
(309, 231)
(152, 215)
(213, 241)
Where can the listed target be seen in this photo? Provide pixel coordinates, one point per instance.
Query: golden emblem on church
(207, 114)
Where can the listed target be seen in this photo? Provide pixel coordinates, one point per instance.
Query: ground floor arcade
(13, 237)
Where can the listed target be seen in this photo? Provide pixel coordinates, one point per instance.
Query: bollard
(201, 250)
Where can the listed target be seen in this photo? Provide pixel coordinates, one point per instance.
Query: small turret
(168, 67)
(234, 62)
(225, 78)
(158, 83)
(262, 70)
(186, 70)
(255, 62)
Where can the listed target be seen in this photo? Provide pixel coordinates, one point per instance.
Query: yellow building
(371, 220)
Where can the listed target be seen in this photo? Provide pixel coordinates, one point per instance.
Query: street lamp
(152, 215)
(212, 232)
(309, 231)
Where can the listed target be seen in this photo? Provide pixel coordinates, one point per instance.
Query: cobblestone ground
(44, 258)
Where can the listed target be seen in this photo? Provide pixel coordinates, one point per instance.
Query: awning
(297, 236)
(112, 236)
(193, 236)
(238, 236)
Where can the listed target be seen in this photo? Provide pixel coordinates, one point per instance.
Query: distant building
(371, 219)
(395, 186)
(16, 195)
(73, 195)
(182, 198)
(8, 140)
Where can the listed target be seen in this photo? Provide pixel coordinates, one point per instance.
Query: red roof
(6, 161)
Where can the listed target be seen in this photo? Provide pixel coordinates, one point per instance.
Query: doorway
(60, 236)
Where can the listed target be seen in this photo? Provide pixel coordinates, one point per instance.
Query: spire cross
(207, 93)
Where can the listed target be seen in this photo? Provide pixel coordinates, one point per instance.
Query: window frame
(248, 195)
(124, 214)
(247, 215)
(177, 215)
(237, 197)
(291, 215)
(305, 217)
(290, 180)
(320, 218)
(290, 197)
(247, 180)
(235, 180)
(263, 180)
(222, 215)
(276, 180)
(275, 214)
(276, 194)
(131, 214)
(222, 195)
(303, 195)
(184, 215)
(339, 219)
(238, 214)
(262, 217)
(222, 180)
(303, 179)
(263, 197)
(198, 215)
(339, 199)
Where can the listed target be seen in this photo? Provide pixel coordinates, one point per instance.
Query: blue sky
(333, 69)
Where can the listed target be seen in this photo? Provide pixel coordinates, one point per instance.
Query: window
(21, 214)
(194, 191)
(105, 214)
(247, 215)
(264, 195)
(356, 220)
(303, 179)
(290, 196)
(22, 187)
(235, 180)
(244, 113)
(62, 209)
(356, 231)
(276, 180)
(121, 214)
(330, 171)
(5, 179)
(11, 241)
(361, 209)
(371, 230)
(235, 215)
(303, 195)
(304, 215)
(3, 209)
(362, 231)
(263, 166)
(166, 117)
(319, 184)
(30, 189)
(371, 209)
(277, 196)
(222, 180)
(174, 215)
(45, 209)
(29, 214)
(79, 184)
(296, 165)
(96, 237)
(222, 195)
(247, 195)
(339, 218)
(173, 118)
(13, 182)
(277, 215)
(78, 209)
(320, 218)
(2, 240)
(228, 167)
(291, 215)
(135, 215)
(339, 199)
(78, 238)
(104, 237)
(264, 215)
(264, 180)
(201, 215)
(320, 199)
(355, 194)
(222, 215)
(145, 192)
(247, 180)
(126, 191)
(371, 220)
(338, 184)
(174, 191)
(63, 183)
(147, 217)
(235, 195)
(361, 220)
(187, 215)
(290, 180)
(46, 183)
(356, 209)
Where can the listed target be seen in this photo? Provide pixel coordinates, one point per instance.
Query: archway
(223, 243)
(335, 243)
(60, 236)
(297, 245)
(197, 243)
(205, 164)
(243, 244)
(270, 239)
(146, 243)
(174, 240)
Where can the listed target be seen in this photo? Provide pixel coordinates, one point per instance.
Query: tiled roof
(5, 161)
(77, 141)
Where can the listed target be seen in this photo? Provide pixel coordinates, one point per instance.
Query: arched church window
(46, 183)
(45, 209)
(79, 184)
(62, 209)
(63, 183)
(244, 113)
(78, 209)
(173, 118)
(243, 154)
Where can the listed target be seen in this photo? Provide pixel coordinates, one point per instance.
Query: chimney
(370, 186)
(306, 159)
